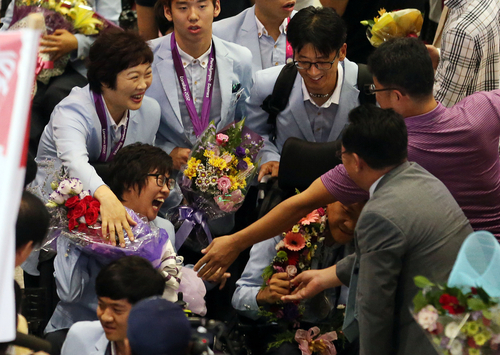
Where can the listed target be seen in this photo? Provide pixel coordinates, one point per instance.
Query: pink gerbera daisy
(312, 217)
(294, 241)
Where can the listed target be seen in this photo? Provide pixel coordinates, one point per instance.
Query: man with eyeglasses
(322, 95)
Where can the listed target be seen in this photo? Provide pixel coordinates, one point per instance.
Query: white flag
(18, 56)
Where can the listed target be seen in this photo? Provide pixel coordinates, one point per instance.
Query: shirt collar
(188, 59)
(261, 30)
(123, 121)
(455, 4)
(374, 186)
(335, 98)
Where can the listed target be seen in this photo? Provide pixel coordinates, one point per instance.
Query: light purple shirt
(458, 145)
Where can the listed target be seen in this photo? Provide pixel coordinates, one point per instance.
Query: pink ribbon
(43, 64)
(322, 344)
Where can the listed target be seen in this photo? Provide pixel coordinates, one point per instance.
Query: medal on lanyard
(199, 123)
(289, 49)
(101, 113)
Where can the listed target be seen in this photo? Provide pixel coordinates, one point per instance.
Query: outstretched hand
(310, 283)
(114, 217)
(219, 255)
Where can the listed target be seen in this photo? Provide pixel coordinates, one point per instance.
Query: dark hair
(112, 52)
(168, 3)
(131, 277)
(321, 27)
(378, 136)
(161, 21)
(133, 163)
(405, 64)
(32, 221)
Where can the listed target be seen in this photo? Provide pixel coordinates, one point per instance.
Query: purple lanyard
(289, 49)
(101, 113)
(199, 123)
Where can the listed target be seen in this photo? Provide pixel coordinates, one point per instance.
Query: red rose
(95, 204)
(451, 304)
(82, 227)
(91, 216)
(72, 201)
(473, 290)
(472, 343)
(72, 224)
(88, 199)
(80, 209)
(70, 213)
(293, 258)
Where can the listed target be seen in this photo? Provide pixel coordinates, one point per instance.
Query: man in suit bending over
(410, 226)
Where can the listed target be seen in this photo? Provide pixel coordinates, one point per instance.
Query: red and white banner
(18, 54)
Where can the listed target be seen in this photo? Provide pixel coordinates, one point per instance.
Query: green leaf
(422, 282)
(419, 301)
(476, 304)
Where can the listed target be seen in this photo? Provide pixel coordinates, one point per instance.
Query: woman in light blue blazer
(94, 122)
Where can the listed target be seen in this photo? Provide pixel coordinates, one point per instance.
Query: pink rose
(221, 139)
(291, 270)
(224, 184)
(225, 206)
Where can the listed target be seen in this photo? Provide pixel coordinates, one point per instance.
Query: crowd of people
(419, 171)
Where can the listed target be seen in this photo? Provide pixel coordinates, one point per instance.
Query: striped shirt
(458, 145)
(470, 50)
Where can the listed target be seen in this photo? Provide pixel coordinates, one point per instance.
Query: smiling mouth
(157, 203)
(289, 6)
(137, 98)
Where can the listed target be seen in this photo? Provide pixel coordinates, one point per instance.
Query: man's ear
(358, 162)
(343, 52)
(168, 13)
(217, 8)
(23, 252)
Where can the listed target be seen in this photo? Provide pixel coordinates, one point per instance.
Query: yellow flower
(295, 229)
(208, 153)
(249, 162)
(217, 162)
(474, 351)
(308, 244)
(482, 338)
(472, 328)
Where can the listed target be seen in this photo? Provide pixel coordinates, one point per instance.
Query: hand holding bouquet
(401, 23)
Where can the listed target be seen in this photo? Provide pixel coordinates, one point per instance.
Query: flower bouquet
(74, 16)
(401, 23)
(461, 319)
(214, 182)
(295, 253)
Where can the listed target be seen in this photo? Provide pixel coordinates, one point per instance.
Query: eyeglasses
(370, 89)
(339, 154)
(319, 65)
(161, 180)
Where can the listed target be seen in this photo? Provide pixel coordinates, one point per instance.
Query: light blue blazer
(73, 135)
(235, 79)
(242, 29)
(293, 120)
(85, 338)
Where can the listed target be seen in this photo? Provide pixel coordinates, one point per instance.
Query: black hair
(133, 163)
(376, 135)
(112, 52)
(404, 64)
(132, 278)
(32, 221)
(168, 3)
(321, 27)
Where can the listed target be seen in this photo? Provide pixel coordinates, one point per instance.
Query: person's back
(423, 228)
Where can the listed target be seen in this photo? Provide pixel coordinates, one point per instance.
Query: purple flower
(240, 152)
(290, 312)
(242, 165)
(476, 315)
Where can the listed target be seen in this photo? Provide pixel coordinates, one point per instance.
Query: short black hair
(33, 221)
(321, 27)
(133, 163)
(132, 278)
(112, 52)
(376, 135)
(168, 3)
(404, 64)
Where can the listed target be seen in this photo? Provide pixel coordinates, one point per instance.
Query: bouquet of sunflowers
(75, 16)
(215, 180)
(401, 23)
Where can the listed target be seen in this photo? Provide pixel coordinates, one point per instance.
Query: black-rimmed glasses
(161, 180)
(301, 65)
(370, 89)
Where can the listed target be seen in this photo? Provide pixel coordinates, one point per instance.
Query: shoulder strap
(277, 101)
(365, 77)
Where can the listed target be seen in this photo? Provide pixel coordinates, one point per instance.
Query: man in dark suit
(410, 226)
